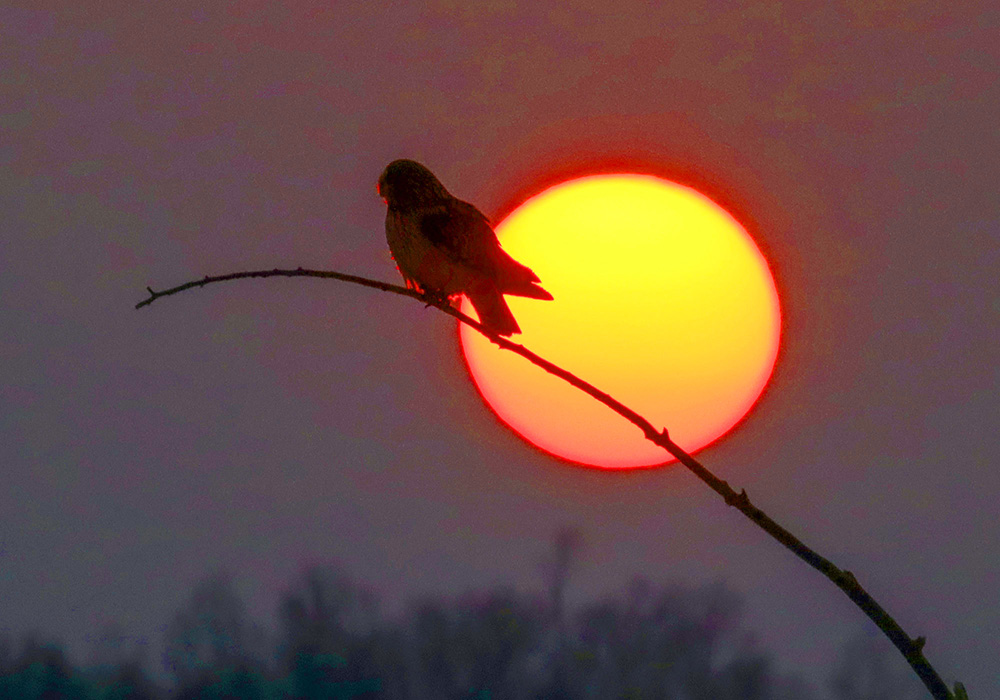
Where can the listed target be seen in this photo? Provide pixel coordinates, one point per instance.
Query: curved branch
(297, 272)
(910, 648)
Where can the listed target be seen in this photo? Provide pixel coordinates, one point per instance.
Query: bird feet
(435, 298)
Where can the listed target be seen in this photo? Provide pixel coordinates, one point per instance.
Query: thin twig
(298, 272)
(910, 648)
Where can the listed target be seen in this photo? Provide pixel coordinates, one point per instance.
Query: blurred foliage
(656, 642)
(869, 668)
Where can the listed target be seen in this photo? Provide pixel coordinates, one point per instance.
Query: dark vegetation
(331, 642)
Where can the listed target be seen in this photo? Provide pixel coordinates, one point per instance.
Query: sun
(662, 300)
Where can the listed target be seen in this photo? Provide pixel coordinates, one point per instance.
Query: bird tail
(517, 279)
(492, 310)
(529, 289)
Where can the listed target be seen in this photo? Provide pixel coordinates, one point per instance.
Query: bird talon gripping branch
(435, 298)
(442, 243)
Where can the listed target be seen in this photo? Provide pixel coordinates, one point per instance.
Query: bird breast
(419, 260)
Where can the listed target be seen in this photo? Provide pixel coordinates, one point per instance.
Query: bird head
(406, 183)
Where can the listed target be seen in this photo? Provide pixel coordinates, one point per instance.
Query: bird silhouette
(445, 247)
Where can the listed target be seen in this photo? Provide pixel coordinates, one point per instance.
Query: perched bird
(445, 247)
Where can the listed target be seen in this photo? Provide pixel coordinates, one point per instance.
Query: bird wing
(463, 231)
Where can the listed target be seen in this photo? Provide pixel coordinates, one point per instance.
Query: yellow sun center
(662, 300)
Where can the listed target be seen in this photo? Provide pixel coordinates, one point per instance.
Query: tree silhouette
(662, 642)
(328, 632)
(41, 672)
(211, 633)
(668, 643)
(866, 671)
(483, 645)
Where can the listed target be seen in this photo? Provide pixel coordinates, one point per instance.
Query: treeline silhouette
(656, 642)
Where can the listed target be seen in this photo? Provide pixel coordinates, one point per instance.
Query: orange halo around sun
(662, 300)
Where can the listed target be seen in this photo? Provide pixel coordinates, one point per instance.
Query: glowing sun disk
(661, 299)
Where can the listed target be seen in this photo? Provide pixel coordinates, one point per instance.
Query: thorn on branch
(739, 500)
(849, 579)
(918, 645)
(661, 438)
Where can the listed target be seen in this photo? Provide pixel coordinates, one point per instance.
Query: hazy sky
(258, 426)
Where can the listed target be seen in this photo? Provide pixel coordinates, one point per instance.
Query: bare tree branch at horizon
(910, 648)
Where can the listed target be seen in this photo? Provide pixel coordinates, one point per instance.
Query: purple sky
(257, 426)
